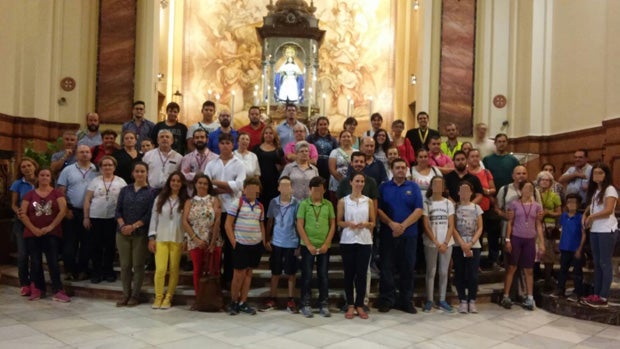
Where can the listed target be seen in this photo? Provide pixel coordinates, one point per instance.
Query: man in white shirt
(162, 160)
(227, 174)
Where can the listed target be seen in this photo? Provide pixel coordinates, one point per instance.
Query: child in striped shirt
(246, 231)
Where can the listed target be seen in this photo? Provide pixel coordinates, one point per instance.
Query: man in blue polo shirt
(400, 208)
(72, 182)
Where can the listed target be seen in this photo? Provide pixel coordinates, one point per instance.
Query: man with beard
(420, 136)
(374, 168)
(460, 174)
(196, 161)
(172, 124)
(208, 123)
(225, 127)
(73, 182)
(91, 137)
(255, 128)
(138, 124)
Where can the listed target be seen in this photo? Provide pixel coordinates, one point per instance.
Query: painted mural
(222, 59)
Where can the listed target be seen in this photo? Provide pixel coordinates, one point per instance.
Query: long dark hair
(386, 145)
(316, 135)
(429, 191)
(593, 186)
(210, 191)
(166, 192)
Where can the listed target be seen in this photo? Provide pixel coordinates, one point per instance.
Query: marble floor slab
(97, 323)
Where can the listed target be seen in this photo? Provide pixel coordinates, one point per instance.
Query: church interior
(546, 73)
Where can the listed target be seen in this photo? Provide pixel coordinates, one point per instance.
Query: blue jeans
(308, 261)
(567, 258)
(603, 245)
(400, 254)
(466, 273)
(22, 254)
(50, 245)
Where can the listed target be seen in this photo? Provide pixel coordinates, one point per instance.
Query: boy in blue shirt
(571, 247)
(283, 243)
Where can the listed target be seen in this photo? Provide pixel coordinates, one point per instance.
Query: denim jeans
(308, 260)
(50, 245)
(400, 254)
(103, 246)
(603, 245)
(355, 259)
(466, 273)
(76, 247)
(22, 255)
(567, 259)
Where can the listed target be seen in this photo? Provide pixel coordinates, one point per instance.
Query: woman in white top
(356, 217)
(166, 237)
(100, 207)
(466, 250)
(438, 229)
(249, 159)
(599, 217)
(423, 172)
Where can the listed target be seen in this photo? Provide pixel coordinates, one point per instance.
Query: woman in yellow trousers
(166, 237)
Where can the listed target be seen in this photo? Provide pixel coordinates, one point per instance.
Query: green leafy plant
(43, 159)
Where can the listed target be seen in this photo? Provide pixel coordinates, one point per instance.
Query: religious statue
(289, 79)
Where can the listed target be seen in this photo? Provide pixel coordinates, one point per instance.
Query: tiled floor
(92, 323)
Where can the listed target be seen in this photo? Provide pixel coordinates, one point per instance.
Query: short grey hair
(300, 145)
(165, 130)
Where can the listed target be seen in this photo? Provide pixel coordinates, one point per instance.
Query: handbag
(209, 297)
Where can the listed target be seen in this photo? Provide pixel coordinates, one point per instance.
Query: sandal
(349, 314)
(361, 313)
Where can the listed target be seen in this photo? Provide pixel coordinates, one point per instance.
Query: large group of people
(391, 199)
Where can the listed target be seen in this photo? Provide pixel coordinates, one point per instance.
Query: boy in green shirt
(316, 224)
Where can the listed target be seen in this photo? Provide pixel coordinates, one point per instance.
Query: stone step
(184, 294)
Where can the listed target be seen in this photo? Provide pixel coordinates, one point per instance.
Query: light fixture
(163, 4)
(160, 76)
(416, 5)
(413, 79)
(177, 97)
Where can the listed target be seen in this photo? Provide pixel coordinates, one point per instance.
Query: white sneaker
(462, 307)
(472, 307)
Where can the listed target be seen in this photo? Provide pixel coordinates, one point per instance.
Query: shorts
(246, 256)
(523, 252)
(283, 259)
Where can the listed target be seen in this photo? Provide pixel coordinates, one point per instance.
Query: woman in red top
(43, 210)
(405, 149)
